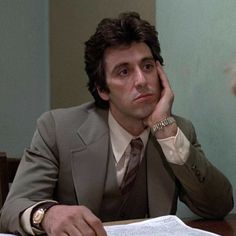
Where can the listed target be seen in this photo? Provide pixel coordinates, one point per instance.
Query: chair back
(8, 168)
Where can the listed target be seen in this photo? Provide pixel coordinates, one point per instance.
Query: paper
(161, 226)
(7, 234)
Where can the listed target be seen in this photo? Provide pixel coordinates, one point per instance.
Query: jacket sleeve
(202, 187)
(36, 176)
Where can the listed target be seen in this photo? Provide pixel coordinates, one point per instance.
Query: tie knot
(136, 144)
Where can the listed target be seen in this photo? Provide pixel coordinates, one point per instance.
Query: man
(83, 167)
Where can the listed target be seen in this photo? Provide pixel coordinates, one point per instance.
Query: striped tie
(133, 165)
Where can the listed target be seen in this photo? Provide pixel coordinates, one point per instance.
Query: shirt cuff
(176, 148)
(25, 219)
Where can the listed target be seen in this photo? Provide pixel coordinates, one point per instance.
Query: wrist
(38, 214)
(166, 132)
(164, 128)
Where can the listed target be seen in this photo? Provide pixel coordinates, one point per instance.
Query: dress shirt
(120, 142)
(175, 148)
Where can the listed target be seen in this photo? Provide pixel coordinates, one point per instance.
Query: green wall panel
(198, 41)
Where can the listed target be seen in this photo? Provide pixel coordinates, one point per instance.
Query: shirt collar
(120, 138)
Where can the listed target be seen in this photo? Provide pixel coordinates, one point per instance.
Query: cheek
(120, 88)
(120, 95)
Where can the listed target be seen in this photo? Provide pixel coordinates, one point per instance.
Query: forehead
(128, 54)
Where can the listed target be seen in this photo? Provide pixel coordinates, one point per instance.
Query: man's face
(131, 76)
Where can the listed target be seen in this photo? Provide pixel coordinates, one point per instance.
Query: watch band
(161, 124)
(39, 212)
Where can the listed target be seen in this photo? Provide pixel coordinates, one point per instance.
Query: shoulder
(67, 114)
(181, 121)
(72, 117)
(73, 111)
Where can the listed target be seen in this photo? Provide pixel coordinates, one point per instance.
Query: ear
(103, 94)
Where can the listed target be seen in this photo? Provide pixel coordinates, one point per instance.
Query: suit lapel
(89, 161)
(161, 184)
(89, 168)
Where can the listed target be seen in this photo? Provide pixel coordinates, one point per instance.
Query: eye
(148, 66)
(123, 72)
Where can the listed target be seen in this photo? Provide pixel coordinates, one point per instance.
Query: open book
(169, 225)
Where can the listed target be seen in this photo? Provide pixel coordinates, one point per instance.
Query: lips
(144, 97)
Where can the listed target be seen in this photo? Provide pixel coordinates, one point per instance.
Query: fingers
(167, 90)
(85, 229)
(73, 231)
(95, 223)
(72, 220)
(162, 75)
(234, 86)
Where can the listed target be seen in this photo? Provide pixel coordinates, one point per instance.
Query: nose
(140, 79)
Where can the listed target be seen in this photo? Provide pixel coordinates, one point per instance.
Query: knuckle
(55, 230)
(96, 222)
(82, 208)
(89, 232)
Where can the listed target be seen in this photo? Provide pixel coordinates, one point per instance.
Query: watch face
(38, 216)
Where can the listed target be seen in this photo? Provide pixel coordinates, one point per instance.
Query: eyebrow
(148, 59)
(116, 67)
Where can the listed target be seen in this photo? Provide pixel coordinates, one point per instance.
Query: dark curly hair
(124, 30)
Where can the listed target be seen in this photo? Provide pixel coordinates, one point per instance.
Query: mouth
(144, 97)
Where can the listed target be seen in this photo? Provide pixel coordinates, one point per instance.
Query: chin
(145, 112)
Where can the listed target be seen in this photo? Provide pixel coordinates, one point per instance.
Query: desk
(226, 227)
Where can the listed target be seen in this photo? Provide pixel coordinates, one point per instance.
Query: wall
(198, 41)
(24, 72)
(71, 24)
(25, 88)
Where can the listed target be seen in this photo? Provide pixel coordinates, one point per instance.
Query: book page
(161, 226)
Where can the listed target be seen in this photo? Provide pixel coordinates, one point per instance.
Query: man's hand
(163, 107)
(63, 220)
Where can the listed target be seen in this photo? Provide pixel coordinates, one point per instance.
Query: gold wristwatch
(39, 212)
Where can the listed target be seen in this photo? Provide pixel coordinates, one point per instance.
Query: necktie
(133, 165)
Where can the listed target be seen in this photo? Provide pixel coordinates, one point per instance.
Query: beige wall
(71, 23)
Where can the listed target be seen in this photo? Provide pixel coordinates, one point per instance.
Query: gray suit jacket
(67, 161)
